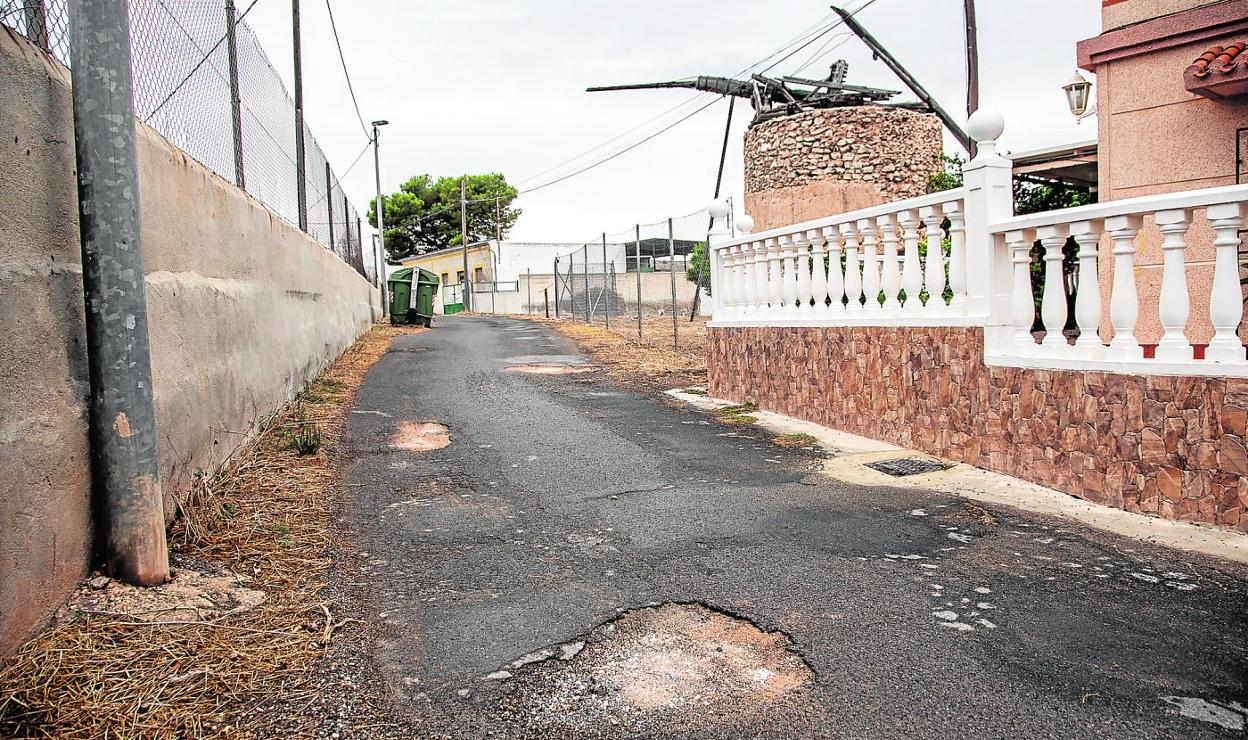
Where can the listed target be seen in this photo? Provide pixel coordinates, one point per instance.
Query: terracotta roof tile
(1218, 58)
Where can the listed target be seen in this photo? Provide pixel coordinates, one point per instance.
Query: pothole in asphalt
(654, 661)
(411, 436)
(552, 369)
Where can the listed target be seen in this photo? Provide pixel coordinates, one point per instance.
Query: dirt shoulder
(236, 643)
(652, 360)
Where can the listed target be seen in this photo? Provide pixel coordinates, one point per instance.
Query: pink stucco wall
(1155, 137)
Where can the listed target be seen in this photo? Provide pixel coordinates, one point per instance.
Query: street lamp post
(381, 219)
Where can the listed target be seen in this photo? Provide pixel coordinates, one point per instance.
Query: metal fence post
(671, 269)
(528, 287)
(236, 98)
(36, 22)
(125, 463)
(300, 153)
(638, 266)
(606, 308)
(556, 292)
(329, 203)
(589, 310)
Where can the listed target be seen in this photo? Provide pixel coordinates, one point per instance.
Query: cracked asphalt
(564, 501)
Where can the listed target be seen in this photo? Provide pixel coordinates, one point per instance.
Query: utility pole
(498, 247)
(671, 269)
(463, 237)
(380, 246)
(638, 239)
(972, 66)
(125, 464)
(301, 163)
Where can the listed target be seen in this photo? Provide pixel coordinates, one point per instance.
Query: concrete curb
(849, 453)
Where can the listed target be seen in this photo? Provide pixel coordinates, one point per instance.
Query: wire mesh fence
(641, 281)
(202, 79)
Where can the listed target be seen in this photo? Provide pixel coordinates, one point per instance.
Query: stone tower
(829, 161)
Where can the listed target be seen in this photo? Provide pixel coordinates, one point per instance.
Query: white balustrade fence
(1120, 225)
(960, 258)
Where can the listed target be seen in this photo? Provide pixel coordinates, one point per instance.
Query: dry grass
(264, 516)
(650, 359)
(794, 440)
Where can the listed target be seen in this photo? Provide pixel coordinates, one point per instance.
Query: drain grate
(904, 466)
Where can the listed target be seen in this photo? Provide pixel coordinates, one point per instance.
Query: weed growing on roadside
(794, 440)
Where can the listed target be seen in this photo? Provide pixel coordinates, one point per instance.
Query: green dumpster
(406, 308)
(426, 285)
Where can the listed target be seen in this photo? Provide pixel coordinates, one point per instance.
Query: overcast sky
(498, 85)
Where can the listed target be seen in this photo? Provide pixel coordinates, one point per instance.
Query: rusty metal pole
(130, 529)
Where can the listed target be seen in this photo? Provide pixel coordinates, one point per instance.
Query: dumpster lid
(401, 276)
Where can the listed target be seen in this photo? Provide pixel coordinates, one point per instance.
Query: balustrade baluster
(912, 272)
(751, 279)
(724, 300)
(789, 284)
(1124, 302)
(1174, 306)
(1022, 305)
(819, 275)
(804, 279)
(733, 279)
(870, 266)
(957, 255)
(853, 268)
(836, 278)
(1053, 300)
(1087, 235)
(775, 286)
(1226, 303)
(891, 279)
(934, 263)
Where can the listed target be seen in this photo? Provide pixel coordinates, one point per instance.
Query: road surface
(692, 579)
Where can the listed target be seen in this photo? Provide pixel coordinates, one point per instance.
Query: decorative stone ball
(745, 224)
(717, 209)
(985, 124)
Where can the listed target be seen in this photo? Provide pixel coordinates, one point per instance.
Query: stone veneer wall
(825, 162)
(1166, 446)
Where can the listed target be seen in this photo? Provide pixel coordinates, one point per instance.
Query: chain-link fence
(641, 281)
(215, 95)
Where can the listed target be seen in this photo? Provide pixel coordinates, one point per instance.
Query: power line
(816, 28)
(807, 40)
(350, 88)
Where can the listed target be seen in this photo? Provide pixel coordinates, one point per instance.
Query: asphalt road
(562, 500)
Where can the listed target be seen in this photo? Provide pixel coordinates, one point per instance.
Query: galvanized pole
(638, 266)
(329, 204)
(556, 292)
(606, 308)
(463, 236)
(301, 164)
(380, 246)
(36, 22)
(528, 287)
(124, 458)
(589, 311)
(236, 98)
(671, 269)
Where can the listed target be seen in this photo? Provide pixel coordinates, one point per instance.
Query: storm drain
(903, 466)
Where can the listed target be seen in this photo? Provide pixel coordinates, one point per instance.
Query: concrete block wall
(244, 308)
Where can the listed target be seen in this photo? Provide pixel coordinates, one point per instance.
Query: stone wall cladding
(1165, 446)
(895, 149)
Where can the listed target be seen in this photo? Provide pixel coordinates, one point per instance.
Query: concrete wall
(1166, 446)
(825, 162)
(243, 308)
